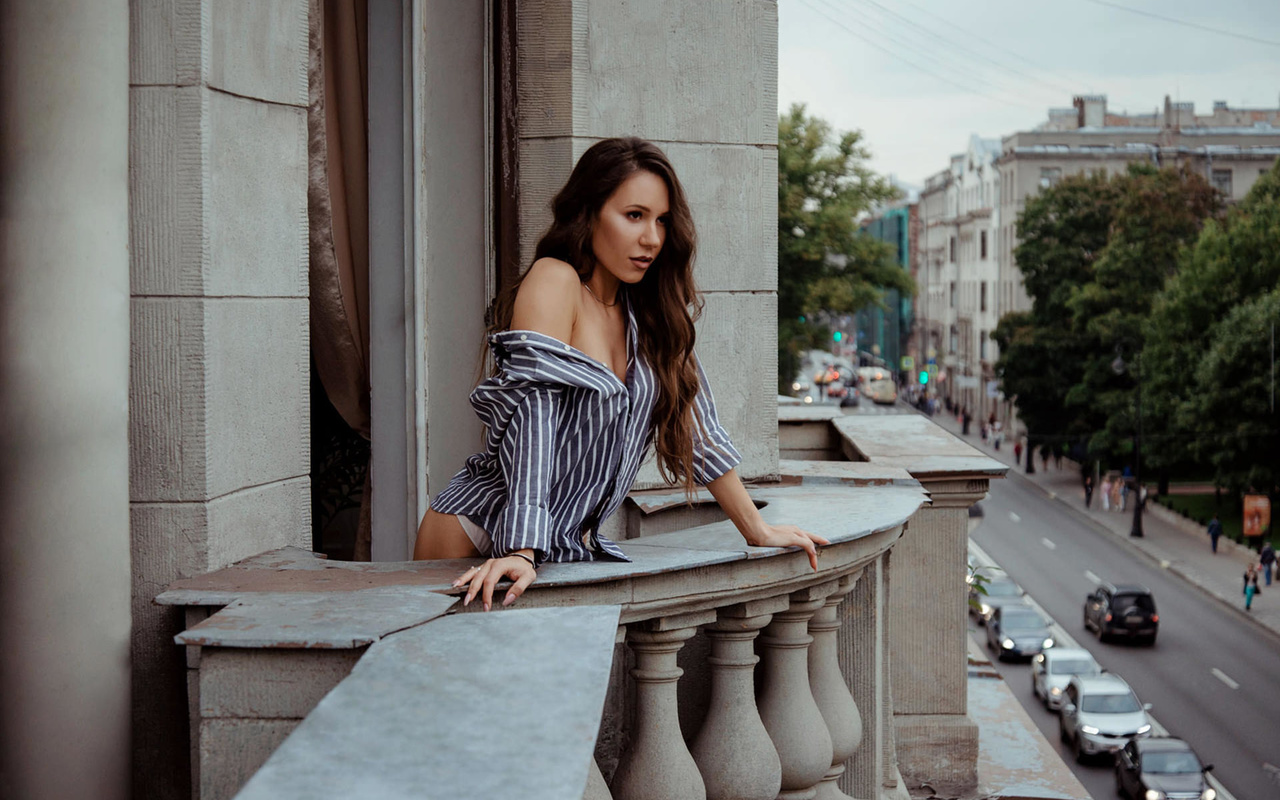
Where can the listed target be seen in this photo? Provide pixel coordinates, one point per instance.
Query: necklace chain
(597, 297)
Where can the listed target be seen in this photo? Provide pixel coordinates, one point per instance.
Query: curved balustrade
(785, 733)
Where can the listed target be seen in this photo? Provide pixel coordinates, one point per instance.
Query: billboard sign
(1257, 514)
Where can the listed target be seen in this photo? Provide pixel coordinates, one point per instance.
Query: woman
(594, 364)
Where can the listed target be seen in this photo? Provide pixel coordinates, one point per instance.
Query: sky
(918, 77)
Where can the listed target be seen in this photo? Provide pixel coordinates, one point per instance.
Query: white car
(1100, 714)
(1054, 668)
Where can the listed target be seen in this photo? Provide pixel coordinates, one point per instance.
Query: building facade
(886, 331)
(959, 218)
(969, 215)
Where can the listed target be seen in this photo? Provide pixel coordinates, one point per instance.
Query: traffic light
(837, 336)
(924, 377)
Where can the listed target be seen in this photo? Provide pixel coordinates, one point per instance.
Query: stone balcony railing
(310, 678)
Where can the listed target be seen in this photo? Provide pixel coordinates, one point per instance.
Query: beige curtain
(338, 202)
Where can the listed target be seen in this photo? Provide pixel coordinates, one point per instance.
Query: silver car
(1100, 714)
(1053, 669)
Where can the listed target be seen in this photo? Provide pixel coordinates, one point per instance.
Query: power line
(955, 45)
(898, 56)
(950, 65)
(1183, 22)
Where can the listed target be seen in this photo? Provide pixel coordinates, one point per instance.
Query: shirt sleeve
(527, 456)
(713, 451)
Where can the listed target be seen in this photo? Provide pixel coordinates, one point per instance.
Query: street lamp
(1119, 367)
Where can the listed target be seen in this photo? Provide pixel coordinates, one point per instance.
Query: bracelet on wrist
(526, 558)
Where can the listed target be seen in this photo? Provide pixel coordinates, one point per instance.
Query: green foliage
(1062, 231)
(1232, 262)
(824, 262)
(1094, 252)
(1234, 394)
(1158, 212)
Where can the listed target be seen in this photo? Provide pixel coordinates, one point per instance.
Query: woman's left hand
(486, 576)
(789, 536)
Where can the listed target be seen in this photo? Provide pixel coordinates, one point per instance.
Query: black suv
(1124, 610)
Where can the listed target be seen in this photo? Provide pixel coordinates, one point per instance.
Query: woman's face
(631, 227)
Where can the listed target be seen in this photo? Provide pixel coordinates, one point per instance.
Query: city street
(1211, 677)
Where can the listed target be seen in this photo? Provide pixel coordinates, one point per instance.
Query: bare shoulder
(548, 299)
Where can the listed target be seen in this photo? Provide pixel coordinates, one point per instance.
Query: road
(1213, 679)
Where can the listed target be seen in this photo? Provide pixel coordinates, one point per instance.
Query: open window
(430, 89)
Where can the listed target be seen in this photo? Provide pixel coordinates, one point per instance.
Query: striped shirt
(563, 443)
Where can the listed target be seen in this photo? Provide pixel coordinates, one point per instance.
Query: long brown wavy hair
(666, 301)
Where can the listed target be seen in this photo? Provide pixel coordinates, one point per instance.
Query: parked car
(1017, 630)
(996, 591)
(1123, 610)
(1100, 714)
(1053, 669)
(1163, 768)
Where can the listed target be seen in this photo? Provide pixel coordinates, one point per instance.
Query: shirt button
(523, 338)
(567, 347)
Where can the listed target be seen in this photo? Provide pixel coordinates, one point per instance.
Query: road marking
(1164, 563)
(1048, 544)
(1014, 517)
(1053, 495)
(1222, 676)
(1065, 639)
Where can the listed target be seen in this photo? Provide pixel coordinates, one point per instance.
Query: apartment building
(959, 220)
(969, 214)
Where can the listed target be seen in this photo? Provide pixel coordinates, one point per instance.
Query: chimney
(1091, 110)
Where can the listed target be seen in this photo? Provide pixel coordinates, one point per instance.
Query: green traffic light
(924, 377)
(837, 336)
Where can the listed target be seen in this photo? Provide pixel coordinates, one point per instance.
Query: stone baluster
(657, 764)
(733, 750)
(831, 692)
(787, 708)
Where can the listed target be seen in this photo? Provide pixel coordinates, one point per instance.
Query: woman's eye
(664, 221)
(633, 215)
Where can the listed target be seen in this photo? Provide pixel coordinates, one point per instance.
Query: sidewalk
(1176, 544)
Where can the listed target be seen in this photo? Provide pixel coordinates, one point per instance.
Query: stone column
(657, 764)
(928, 607)
(710, 102)
(786, 702)
(733, 750)
(219, 395)
(64, 371)
(831, 692)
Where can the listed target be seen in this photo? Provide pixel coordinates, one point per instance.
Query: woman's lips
(641, 263)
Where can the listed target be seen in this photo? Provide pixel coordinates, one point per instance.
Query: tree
(1234, 394)
(1157, 213)
(825, 264)
(1061, 233)
(1233, 262)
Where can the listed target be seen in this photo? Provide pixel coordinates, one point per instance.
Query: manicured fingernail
(486, 606)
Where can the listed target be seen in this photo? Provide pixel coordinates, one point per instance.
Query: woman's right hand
(483, 578)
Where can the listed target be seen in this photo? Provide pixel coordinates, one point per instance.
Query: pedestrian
(1088, 491)
(1124, 495)
(998, 433)
(1268, 559)
(1057, 456)
(609, 297)
(1017, 452)
(1115, 493)
(966, 419)
(1250, 586)
(984, 431)
(1215, 530)
(1106, 492)
(1044, 457)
